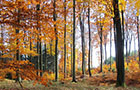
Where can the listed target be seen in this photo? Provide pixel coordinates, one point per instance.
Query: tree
(110, 44)
(82, 43)
(138, 37)
(56, 42)
(38, 57)
(119, 46)
(89, 50)
(100, 33)
(18, 79)
(65, 39)
(73, 74)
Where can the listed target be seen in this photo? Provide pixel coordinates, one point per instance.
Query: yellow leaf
(137, 14)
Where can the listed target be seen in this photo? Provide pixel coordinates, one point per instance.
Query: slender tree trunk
(71, 60)
(126, 43)
(51, 47)
(45, 54)
(65, 39)
(41, 58)
(120, 45)
(134, 47)
(89, 50)
(110, 46)
(56, 42)
(2, 39)
(40, 43)
(115, 41)
(73, 75)
(130, 41)
(100, 37)
(38, 57)
(18, 79)
(138, 38)
(83, 45)
(101, 50)
(126, 50)
(30, 49)
(105, 39)
(17, 41)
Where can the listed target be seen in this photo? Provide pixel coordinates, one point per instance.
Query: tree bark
(120, 45)
(105, 39)
(56, 42)
(89, 50)
(45, 52)
(30, 58)
(138, 38)
(83, 45)
(101, 52)
(73, 75)
(41, 58)
(38, 57)
(18, 78)
(110, 46)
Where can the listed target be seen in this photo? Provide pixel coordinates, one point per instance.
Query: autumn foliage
(28, 31)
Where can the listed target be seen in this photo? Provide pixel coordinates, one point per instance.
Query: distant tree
(108, 61)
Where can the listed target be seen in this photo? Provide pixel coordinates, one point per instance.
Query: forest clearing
(69, 45)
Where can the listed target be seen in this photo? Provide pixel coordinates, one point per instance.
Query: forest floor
(96, 82)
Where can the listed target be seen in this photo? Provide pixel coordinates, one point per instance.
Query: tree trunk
(2, 41)
(130, 40)
(126, 42)
(45, 53)
(41, 58)
(65, 39)
(83, 45)
(38, 57)
(73, 75)
(110, 46)
(17, 41)
(56, 42)
(71, 60)
(115, 41)
(30, 58)
(89, 50)
(120, 45)
(138, 38)
(122, 12)
(18, 78)
(39, 44)
(105, 39)
(134, 47)
(101, 50)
